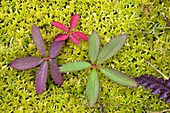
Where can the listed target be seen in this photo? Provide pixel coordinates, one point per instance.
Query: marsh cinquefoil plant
(73, 35)
(30, 62)
(97, 58)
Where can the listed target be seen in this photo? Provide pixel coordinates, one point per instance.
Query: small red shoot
(73, 35)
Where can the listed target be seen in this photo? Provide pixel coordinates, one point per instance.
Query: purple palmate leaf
(158, 86)
(55, 48)
(55, 73)
(26, 63)
(38, 41)
(41, 77)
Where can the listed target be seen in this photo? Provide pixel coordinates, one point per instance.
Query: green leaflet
(94, 42)
(111, 48)
(74, 66)
(118, 77)
(92, 88)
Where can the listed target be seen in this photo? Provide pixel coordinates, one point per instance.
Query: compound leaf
(92, 88)
(111, 48)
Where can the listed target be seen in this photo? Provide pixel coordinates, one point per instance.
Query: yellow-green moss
(108, 18)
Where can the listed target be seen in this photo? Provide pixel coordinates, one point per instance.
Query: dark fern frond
(158, 85)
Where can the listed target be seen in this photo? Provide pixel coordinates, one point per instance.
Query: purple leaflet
(41, 77)
(55, 48)
(158, 86)
(38, 41)
(55, 73)
(26, 63)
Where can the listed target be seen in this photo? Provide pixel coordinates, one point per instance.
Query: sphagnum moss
(108, 18)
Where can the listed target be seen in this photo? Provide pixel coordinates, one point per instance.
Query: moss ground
(137, 18)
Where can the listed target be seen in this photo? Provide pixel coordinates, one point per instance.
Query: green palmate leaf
(111, 48)
(74, 66)
(94, 42)
(92, 88)
(118, 77)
